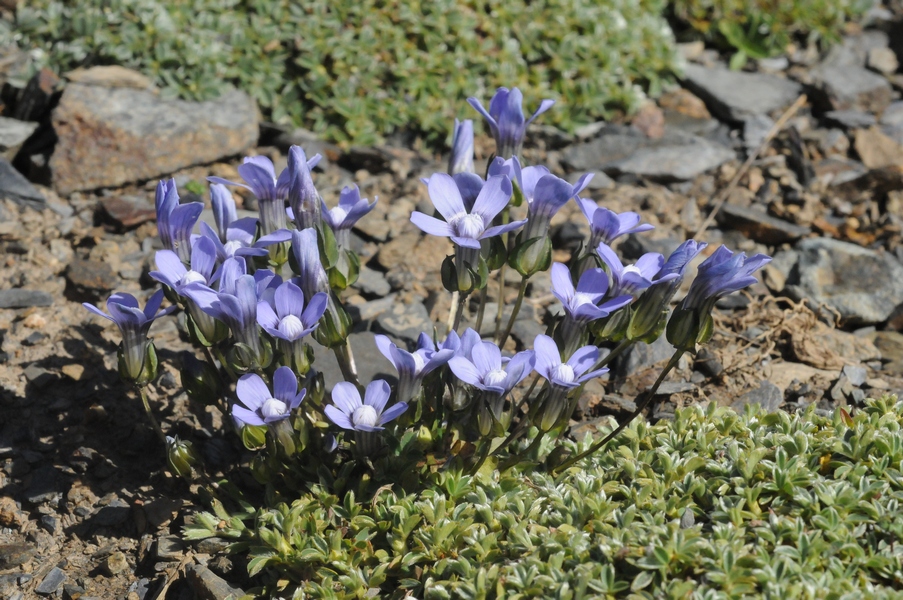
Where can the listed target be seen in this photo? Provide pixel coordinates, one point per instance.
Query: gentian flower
(133, 324)
(720, 274)
(466, 228)
(344, 216)
(302, 195)
(312, 279)
(291, 321)
(240, 239)
(412, 367)
(461, 158)
(348, 412)
(224, 211)
(505, 118)
(582, 304)
(650, 308)
(545, 196)
(259, 406)
(562, 376)
(171, 270)
(606, 225)
(175, 221)
(632, 278)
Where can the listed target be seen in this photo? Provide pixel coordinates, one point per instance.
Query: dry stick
(453, 312)
(726, 192)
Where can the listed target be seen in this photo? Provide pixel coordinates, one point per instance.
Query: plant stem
(517, 304)
(462, 300)
(506, 216)
(484, 454)
(481, 309)
(624, 345)
(346, 364)
(650, 393)
(222, 360)
(513, 460)
(150, 415)
(453, 311)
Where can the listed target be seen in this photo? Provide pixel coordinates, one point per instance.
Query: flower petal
(431, 225)
(465, 371)
(346, 397)
(289, 300)
(445, 196)
(285, 384)
(252, 391)
(338, 417)
(392, 412)
(377, 394)
(547, 355)
(494, 197)
(246, 416)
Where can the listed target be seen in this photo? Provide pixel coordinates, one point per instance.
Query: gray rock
(675, 387)
(24, 298)
(737, 95)
(371, 281)
(856, 374)
(210, 586)
(52, 582)
(850, 119)
(14, 186)
(370, 310)
(883, 60)
(45, 485)
(893, 114)
(755, 129)
(640, 356)
(370, 363)
(13, 134)
(767, 395)
(759, 225)
(114, 513)
(675, 156)
(405, 322)
(169, 547)
(864, 286)
(14, 555)
(850, 87)
(38, 376)
(136, 135)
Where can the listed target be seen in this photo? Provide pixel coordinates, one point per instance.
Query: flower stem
(453, 311)
(222, 360)
(506, 217)
(481, 310)
(517, 304)
(649, 394)
(221, 403)
(150, 414)
(620, 348)
(346, 364)
(459, 311)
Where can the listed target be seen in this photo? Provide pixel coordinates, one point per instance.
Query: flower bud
(182, 457)
(531, 256)
(140, 372)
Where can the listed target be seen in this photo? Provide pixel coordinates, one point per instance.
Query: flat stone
(893, 114)
(883, 60)
(169, 547)
(843, 87)
(91, 276)
(641, 356)
(676, 156)
(14, 186)
(850, 119)
(52, 582)
(371, 281)
(877, 150)
(20, 298)
(13, 134)
(760, 226)
(856, 374)
(114, 513)
(737, 95)
(405, 322)
(110, 76)
(210, 586)
(767, 395)
(14, 555)
(109, 137)
(782, 374)
(128, 211)
(370, 363)
(37, 376)
(114, 564)
(367, 311)
(864, 286)
(755, 130)
(668, 388)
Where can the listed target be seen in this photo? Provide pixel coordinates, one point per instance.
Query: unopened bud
(182, 457)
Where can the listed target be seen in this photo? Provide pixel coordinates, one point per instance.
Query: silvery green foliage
(711, 505)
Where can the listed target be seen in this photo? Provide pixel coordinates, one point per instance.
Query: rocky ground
(86, 506)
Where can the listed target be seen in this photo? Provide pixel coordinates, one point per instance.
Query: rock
(13, 134)
(110, 76)
(89, 276)
(850, 119)
(850, 87)
(883, 60)
(782, 374)
(707, 363)
(877, 150)
(856, 374)
(368, 311)
(370, 363)
(755, 130)
(20, 298)
(14, 186)
(210, 586)
(641, 356)
(371, 281)
(893, 114)
(684, 102)
(862, 285)
(52, 582)
(737, 95)
(14, 555)
(169, 547)
(675, 156)
(38, 376)
(34, 100)
(760, 226)
(73, 371)
(667, 388)
(112, 136)
(767, 395)
(114, 513)
(128, 211)
(405, 322)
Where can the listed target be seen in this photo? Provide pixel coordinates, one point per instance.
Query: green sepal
(614, 328)
(532, 256)
(197, 336)
(333, 329)
(148, 368)
(449, 274)
(254, 437)
(329, 248)
(652, 334)
(517, 196)
(498, 253)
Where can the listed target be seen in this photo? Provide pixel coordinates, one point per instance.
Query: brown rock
(684, 102)
(877, 150)
(109, 137)
(91, 275)
(650, 120)
(111, 76)
(128, 211)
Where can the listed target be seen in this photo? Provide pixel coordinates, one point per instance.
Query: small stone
(13, 134)
(110, 76)
(850, 119)
(128, 211)
(14, 186)
(877, 384)
(91, 276)
(877, 150)
(50, 524)
(367, 311)
(760, 226)
(737, 95)
(683, 101)
(883, 60)
(210, 586)
(34, 321)
(169, 547)
(687, 519)
(668, 388)
(73, 371)
(641, 356)
(45, 485)
(20, 298)
(14, 555)
(34, 338)
(851, 87)
(405, 322)
(371, 281)
(212, 545)
(114, 513)
(73, 592)
(767, 395)
(708, 364)
(856, 375)
(161, 511)
(755, 130)
(115, 564)
(52, 582)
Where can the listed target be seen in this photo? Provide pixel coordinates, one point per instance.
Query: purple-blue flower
(348, 412)
(545, 196)
(240, 239)
(133, 324)
(461, 158)
(562, 377)
(311, 274)
(224, 211)
(488, 371)
(343, 217)
(721, 274)
(287, 318)
(302, 195)
(412, 367)
(606, 225)
(506, 121)
(466, 228)
(259, 406)
(633, 278)
(175, 221)
(171, 270)
(582, 304)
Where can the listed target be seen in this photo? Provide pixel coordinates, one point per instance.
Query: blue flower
(486, 370)
(634, 278)
(175, 221)
(412, 367)
(721, 274)
(133, 324)
(606, 225)
(562, 377)
(259, 406)
(506, 121)
(461, 158)
(348, 412)
(582, 304)
(344, 216)
(224, 212)
(302, 195)
(287, 318)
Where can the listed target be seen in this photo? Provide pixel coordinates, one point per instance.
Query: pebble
(14, 555)
(759, 225)
(371, 281)
(128, 211)
(850, 87)
(52, 582)
(767, 395)
(46, 485)
(114, 513)
(73, 371)
(13, 134)
(169, 547)
(405, 321)
(14, 186)
(883, 60)
(34, 321)
(89, 276)
(850, 119)
(210, 586)
(737, 95)
(856, 375)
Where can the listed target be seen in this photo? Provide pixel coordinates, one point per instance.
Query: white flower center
(338, 214)
(231, 246)
(365, 415)
(291, 327)
(631, 269)
(192, 277)
(273, 408)
(564, 373)
(468, 226)
(581, 298)
(496, 378)
(419, 362)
